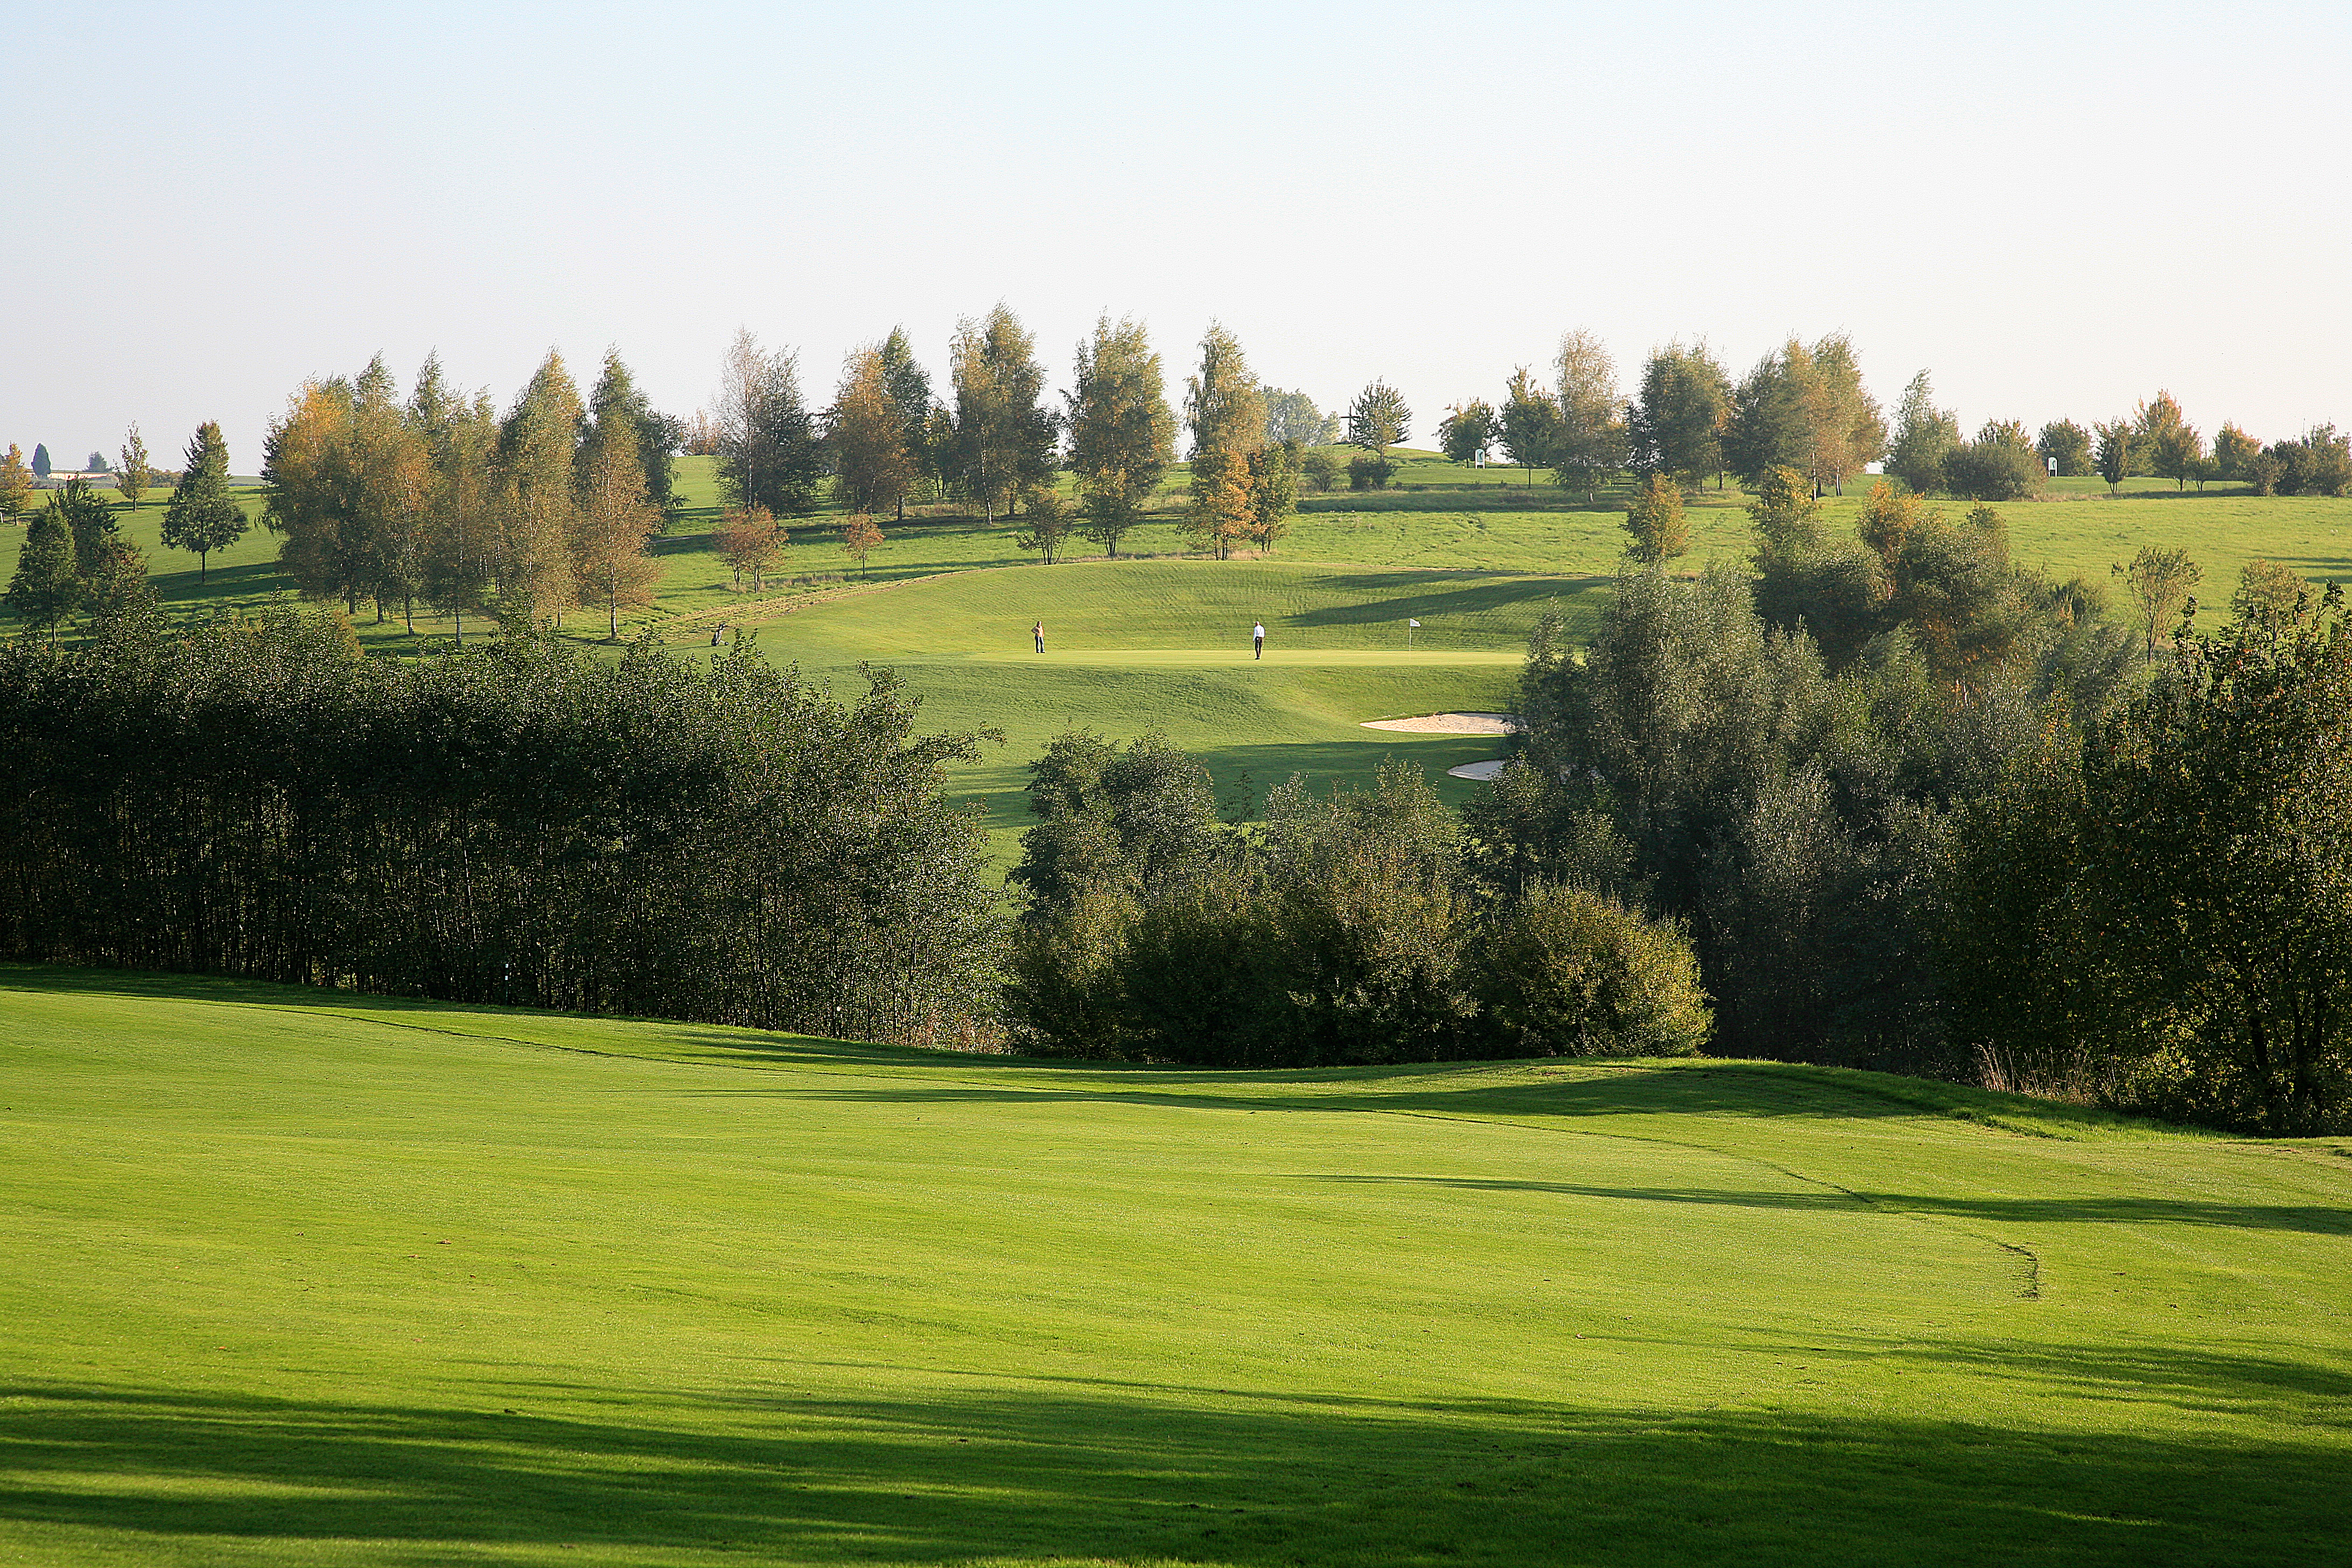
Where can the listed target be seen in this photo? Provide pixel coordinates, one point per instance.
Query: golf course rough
(299, 1277)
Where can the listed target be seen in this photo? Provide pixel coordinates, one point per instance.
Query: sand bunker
(1451, 724)
(1482, 772)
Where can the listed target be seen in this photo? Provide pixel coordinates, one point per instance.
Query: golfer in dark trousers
(1257, 641)
(1039, 631)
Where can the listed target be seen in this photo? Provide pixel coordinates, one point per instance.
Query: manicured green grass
(1165, 645)
(296, 1277)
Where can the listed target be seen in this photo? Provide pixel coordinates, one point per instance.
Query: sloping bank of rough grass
(302, 1278)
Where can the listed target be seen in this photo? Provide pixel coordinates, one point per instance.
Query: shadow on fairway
(1191, 1475)
(1466, 1088)
(2310, 1219)
(190, 589)
(1434, 596)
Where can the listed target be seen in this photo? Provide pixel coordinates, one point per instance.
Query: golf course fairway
(298, 1276)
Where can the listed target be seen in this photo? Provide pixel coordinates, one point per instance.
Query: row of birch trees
(438, 499)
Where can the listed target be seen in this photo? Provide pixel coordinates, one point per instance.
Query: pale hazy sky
(2056, 208)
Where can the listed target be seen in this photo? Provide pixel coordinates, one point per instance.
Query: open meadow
(1154, 641)
(299, 1277)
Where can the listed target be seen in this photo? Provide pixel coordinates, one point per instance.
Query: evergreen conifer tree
(202, 516)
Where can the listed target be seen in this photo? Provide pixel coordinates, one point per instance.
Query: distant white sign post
(1411, 625)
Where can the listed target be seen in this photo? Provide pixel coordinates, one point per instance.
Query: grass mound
(300, 1276)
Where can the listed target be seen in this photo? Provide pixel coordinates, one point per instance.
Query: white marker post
(1411, 625)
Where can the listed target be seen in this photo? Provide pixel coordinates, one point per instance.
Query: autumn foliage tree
(1226, 415)
(872, 469)
(16, 484)
(861, 536)
(1590, 444)
(616, 517)
(1656, 521)
(749, 542)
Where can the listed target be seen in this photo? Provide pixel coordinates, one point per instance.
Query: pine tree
(90, 521)
(136, 476)
(41, 467)
(202, 516)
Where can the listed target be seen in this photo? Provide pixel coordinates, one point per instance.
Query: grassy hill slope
(302, 1278)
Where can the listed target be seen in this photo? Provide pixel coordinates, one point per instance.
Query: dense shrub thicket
(1788, 796)
(1351, 929)
(2165, 912)
(509, 824)
(1965, 830)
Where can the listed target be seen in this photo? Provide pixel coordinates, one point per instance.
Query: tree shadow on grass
(1463, 1089)
(2310, 1219)
(190, 589)
(1133, 1476)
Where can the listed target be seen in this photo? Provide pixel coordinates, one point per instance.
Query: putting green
(296, 1277)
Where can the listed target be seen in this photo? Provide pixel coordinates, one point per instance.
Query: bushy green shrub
(1370, 473)
(1993, 470)
(1568, 972)
(1347, 931)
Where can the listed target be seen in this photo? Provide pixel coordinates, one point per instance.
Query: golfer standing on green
(1257, 641)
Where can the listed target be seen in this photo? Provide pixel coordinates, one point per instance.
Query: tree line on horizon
(525, 516)
(1803, 406)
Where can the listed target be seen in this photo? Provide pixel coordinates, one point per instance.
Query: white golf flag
(1411, 622)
